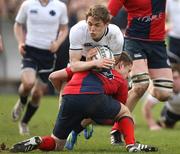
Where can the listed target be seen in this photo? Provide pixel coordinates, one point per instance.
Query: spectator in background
(173, 31)
(1, 44)
(46, 25)
(144, 42)
(1, 16)
(8, 8)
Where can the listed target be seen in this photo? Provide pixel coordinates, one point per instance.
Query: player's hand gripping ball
(103, 52)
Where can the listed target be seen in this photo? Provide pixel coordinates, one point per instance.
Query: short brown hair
(99, 12)
(175, 67)
(125, 58)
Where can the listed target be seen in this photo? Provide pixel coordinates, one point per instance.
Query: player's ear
(120, 65)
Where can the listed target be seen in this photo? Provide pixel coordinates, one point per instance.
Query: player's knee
(36, 95)
(140, 83)
(124, 112)
(162, 95)
(162, 89)
(28, 85)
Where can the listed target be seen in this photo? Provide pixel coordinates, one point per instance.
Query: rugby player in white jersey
(96, 30)
(170, 113)
(40, 29)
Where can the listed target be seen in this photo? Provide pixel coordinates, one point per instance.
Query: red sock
(115, 126)
(126, 127)
(48, 143)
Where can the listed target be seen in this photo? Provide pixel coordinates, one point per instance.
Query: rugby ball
(103, 52)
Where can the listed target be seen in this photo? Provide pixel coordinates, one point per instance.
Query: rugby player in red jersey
(144, 42)
(83, 97)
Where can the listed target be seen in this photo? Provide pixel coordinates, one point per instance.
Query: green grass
(42, 123)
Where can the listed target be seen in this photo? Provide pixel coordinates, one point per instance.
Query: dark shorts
(154, 52)
(74, 108)
(42, 61)
(174, 50)
(169, 118)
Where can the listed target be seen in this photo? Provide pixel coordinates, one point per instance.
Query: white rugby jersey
(80, 38)
(42, 22)
(174, 104)
(173, 12)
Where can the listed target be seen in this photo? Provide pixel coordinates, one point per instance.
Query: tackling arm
(77, 65)
(57, 78)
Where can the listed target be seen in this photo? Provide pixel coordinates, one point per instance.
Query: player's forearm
(19, 33)
(57, 85)
(79, 66)
(57, 78)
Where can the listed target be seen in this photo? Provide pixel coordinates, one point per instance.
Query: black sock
(30, 111)
(23, 99)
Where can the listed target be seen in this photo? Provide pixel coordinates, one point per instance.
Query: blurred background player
(170, 113)
(144, 42)
(40, 29)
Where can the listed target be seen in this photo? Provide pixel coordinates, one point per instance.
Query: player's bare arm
(57, 78)
(63, 32)
(77, 65)
(20, 36)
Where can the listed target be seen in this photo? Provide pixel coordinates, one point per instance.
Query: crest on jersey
(52, 13)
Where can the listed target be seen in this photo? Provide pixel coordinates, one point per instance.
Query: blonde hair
(99, 12)
(125, 58)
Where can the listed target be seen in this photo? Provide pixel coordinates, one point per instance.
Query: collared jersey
(173, 13)
(80, 38)
(92, 82)
(42, 22)
(146, 18)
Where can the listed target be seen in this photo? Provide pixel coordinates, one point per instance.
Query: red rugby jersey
(146, 18)
(91, 82)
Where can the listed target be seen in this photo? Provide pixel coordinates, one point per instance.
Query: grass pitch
(168, 141)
